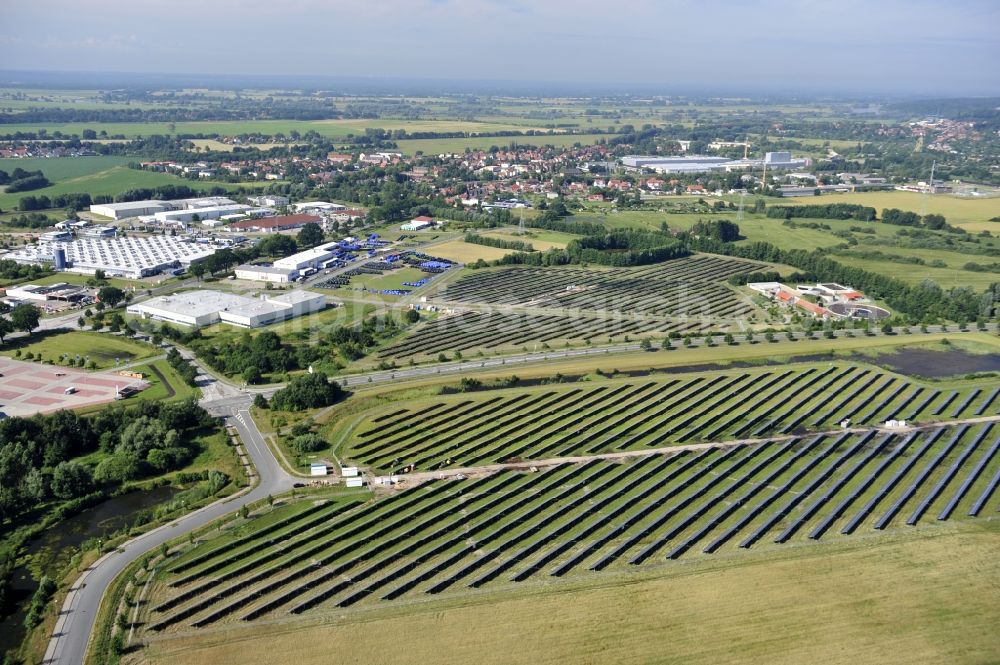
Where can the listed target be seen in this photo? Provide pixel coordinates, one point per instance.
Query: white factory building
(151, 208)
(204, 307)
(311, 258)
(706, 164)
(202, 214)
(271, 274)
(130, 209)
(317, 206)
(131, 257)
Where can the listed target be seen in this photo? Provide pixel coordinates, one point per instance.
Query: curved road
(68, 645)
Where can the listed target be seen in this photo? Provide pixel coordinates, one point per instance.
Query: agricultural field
(112, 180)
(655, 411)
(540, 240)
(520, 531)
(513, 330)
(467, 252)
(688, 287)
(101, 348)
(972, 214)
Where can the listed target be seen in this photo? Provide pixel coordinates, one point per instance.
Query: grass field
(540, 240)
(467, 252)
(64, 168)
(111, 180)
(73, 278)
(924, 600)
(102, 348)
(965, 212)
(219, 146)
(164, 383)
(914, 274)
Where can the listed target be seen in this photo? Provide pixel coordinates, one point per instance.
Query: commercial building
(708, 164)
(266, 274)
(56, 236)
(686, 164)
(204, 307)
(130, 209)
(275, 224)
(131, 257)
(193, 214)
(311, 258)
(98, 232)
(417, 223)
(269, 200)
(61, 291)
(150, 208)
(317, 206)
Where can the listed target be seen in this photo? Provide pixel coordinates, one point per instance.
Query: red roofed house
(275, 224)
(812, 308)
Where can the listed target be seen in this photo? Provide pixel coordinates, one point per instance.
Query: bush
(308, 391)
(308, 443)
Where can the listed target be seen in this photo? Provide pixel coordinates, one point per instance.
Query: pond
(55, 546)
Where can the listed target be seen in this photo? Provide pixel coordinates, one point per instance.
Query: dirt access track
(29, 388)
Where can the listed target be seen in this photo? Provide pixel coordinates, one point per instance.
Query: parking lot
(28, 388)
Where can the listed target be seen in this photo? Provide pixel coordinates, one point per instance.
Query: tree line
(499, 243)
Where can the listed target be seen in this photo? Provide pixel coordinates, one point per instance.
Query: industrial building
(317, 206)
(130, 209)
(266, 274)
(707, 164)
(275, 224)
(270, 200)
(417, 224)
(131, 257)
(204, 307)
(686, 164)
(150, 208)
(310, 258)
(97, 232)
(61, 291)
(193, 214)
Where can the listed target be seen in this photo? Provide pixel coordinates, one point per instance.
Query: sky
(909, 47)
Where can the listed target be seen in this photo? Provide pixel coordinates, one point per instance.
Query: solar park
(635, 414)
(600, 477)
(574, 520)
(522, 306)
(680, 288)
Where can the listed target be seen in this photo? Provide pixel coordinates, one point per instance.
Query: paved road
(553, 355)
(68, 645)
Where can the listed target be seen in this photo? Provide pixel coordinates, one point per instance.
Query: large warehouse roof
(128, 256)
